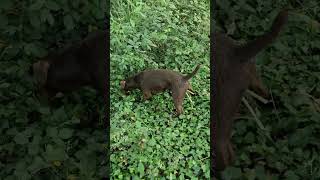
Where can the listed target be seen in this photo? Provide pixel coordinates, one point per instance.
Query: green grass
(145, 140)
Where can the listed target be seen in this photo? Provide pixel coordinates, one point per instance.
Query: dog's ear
(40, 71)
(137, 77)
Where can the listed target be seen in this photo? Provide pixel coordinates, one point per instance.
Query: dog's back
(97, 48)
(166, 77)
(159, 79)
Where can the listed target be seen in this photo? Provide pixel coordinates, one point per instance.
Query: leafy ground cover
(146, 142)
(291, 69)
(38, 141)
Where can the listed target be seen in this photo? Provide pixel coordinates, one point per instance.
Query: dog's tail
(187, 77)
(249, 50)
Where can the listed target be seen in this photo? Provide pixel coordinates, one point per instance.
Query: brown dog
(153, 81)
(235, 69)
(81, 64)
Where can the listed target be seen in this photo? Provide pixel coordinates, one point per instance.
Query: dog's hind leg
(190, 90)
(255, 82)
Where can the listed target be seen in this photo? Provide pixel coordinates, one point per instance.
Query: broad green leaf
(37, 164)
(65, 133)
(291, 175)
(68, 22)
(34, 20)
(138, 124)
(44, 110)
(52, 132)
(46, 16)
(55, 153)
(141, 169)
(21, 139)
(22, 174)
(3, 21)
(260, 173)
(4, 85)
(34, 50)
(152, 142)
(52, 5)
(231, 173)
(6, 4)
(37, 5)
(59, 114)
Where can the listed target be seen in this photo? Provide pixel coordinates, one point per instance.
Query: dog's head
(130, 83)
(39, 72)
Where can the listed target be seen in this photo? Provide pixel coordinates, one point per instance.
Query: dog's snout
(123, 84)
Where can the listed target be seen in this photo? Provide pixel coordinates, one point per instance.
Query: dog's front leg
(178, 96)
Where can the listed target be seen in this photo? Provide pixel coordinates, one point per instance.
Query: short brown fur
(79, 65)
(154, 81)
(235, 72)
